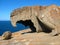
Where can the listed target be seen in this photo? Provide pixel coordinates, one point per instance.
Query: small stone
(7, 35)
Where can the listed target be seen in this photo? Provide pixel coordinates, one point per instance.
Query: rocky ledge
(26, 37)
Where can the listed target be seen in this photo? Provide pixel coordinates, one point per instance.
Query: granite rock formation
(28, 16)
(44, 18)
(51, 18)
(39, 18)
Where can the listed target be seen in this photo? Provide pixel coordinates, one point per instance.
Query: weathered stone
(6, 35)
(51, 18)
(31, 39)
(27, 16)
(41, 17)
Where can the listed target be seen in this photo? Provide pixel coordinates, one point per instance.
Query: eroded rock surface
(39, 18)
(27, 14)
(25, 38)
(51, 18)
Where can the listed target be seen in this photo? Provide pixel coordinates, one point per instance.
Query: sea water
(7, 26)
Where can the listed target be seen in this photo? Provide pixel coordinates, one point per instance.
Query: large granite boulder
(50, 17)
(27, 16)
(39, 18)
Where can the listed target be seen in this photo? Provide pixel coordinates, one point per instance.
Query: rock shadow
(44, 27)
(28, 23)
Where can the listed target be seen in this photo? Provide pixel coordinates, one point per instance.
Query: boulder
(38, 18)
(6, 35)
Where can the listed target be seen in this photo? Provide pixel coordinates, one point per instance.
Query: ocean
(7, 26)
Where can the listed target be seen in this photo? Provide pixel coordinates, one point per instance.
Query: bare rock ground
(24, 37)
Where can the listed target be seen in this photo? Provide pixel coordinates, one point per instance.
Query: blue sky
(6, 6)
